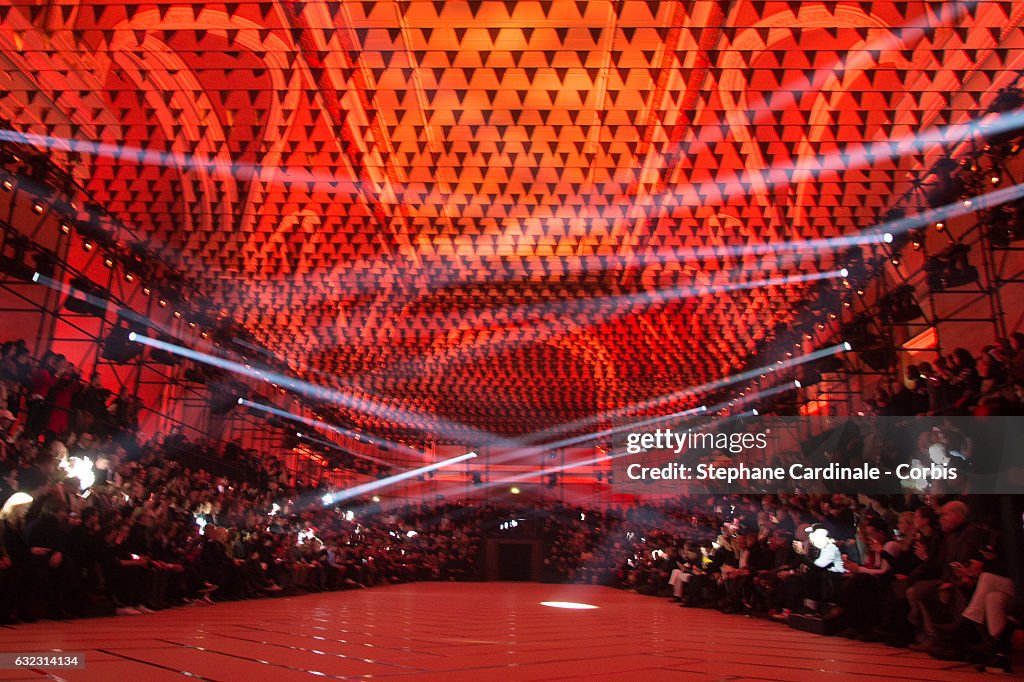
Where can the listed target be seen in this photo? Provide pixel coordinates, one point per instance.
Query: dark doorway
(515, 561)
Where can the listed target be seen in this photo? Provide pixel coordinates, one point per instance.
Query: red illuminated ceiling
(459, 207)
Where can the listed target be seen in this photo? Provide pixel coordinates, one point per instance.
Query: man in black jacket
(936, 604)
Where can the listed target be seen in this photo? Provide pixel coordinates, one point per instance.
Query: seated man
(936, 605)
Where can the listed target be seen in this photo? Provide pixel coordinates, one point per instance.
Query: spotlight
(87, 245)
(947, 187)
(899, 306)
(940, 226)
(38, 207)
(847, 346)
(844, 272)
(887, 237)
(146, 291)
(118, 346)
(995, 179)
(1004, 225)
(65, 227)
(87, 298)
(7, 183)
(950, 269)
(514, 490)
(129, 277)
(108, 262)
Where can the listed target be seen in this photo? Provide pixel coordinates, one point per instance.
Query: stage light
(80, 468)
(129, 277)
(797, 384)
(844, 272)
(940, 226)
(567, 605)
(514, 490)
(146, 291)
(950, 269)
(7, 183)
(87, 245)
(38, 207)
(887, 237)
(65, 227)
(847, 346)
(326, 497)
(108, 262)
(375, 498)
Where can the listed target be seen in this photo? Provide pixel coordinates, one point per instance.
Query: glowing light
(887, 237)
(80, 468)
(201, 522)
(844, 272)
(376, 498)
(350, 515)
(326, 497)
(15, 500)
(568, 605)
(411, 534)
(847, 346)
(514, 490)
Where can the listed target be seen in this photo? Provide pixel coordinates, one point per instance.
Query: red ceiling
(457, 207)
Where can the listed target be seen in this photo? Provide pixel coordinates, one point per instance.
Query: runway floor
(466, 631)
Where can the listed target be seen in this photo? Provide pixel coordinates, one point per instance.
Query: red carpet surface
(451, 632)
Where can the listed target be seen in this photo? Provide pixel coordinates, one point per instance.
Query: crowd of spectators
(909, 570)
(959, 383)
(170, 522)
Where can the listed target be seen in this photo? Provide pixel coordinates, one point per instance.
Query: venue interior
(511, 339)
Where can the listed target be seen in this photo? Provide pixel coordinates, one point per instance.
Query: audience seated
(170, 522)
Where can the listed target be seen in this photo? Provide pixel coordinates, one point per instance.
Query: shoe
(127, 611)
(924, 645)
(1000, 663)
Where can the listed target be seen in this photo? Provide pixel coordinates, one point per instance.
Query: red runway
(446, 631)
